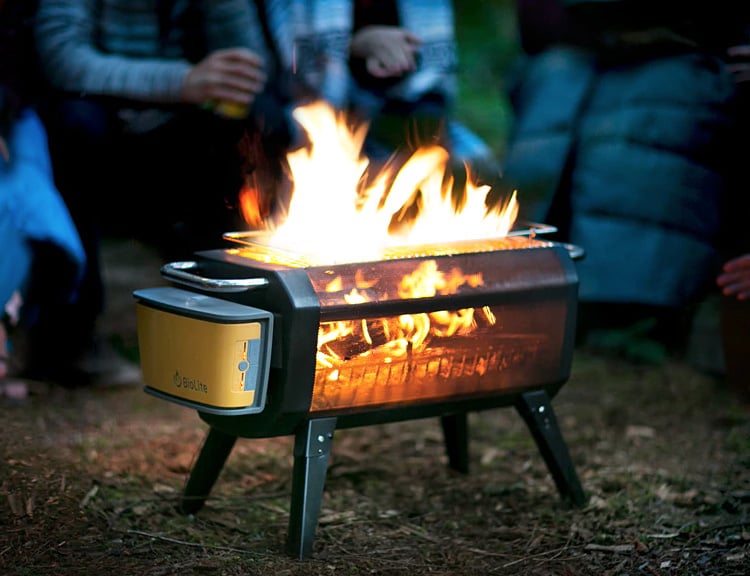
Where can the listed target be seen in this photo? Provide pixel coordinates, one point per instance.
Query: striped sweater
(125, 48)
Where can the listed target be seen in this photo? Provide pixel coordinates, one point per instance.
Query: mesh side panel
(434, 374)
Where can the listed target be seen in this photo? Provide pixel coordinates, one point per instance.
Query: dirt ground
(90, 480)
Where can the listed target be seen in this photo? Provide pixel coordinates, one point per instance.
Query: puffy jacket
(626, 151)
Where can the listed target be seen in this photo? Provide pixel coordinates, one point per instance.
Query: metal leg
(312, 448)
(214, 453)
(456, 434)
(536, 410)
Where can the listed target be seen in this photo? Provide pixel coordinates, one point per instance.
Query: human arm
(73, 60)
(126, 62)
(234, 70)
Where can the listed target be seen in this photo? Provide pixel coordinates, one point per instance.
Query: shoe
(100, 366)
(104, 367)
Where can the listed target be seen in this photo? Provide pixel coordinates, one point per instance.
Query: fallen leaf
(89, 495)
(640, 432)
(617, 548)
(15, 504)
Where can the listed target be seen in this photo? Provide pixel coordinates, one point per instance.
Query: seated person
(138, 148)
(390, 63)
(403, 60)
(622, 133)
(42, 256)
(734, 278)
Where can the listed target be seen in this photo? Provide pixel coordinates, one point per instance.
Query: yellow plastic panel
(200, 361)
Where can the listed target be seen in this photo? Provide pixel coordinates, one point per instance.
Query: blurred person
(734, 278)
(144, 120)
(388, 63)
(42, 256)
(403, 61)
(623, 132)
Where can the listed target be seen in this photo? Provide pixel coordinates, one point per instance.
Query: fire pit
(263, 340)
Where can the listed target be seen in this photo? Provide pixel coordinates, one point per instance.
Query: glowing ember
(335, 215)
(395, 337)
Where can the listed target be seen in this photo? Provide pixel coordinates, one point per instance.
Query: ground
(91, 478)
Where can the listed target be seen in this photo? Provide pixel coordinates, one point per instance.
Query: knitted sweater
(139, 50)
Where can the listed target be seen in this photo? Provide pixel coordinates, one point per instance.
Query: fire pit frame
(313, 432)
(312, 448)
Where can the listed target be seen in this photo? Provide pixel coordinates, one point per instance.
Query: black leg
(456, 434)
(214, 453)
(312, 448)
(536, 410)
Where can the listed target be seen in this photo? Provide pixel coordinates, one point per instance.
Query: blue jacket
(33, 213)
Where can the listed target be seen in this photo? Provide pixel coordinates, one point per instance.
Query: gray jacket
(630, 161)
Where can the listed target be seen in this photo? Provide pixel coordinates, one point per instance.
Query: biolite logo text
(186, 383)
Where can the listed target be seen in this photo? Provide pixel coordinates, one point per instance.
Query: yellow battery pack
(203, 352)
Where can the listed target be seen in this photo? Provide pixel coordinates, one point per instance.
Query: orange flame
(340, 212)
(250, 205)
(334, 198)
(408, 331)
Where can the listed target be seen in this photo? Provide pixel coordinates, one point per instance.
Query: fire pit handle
(576, 252)
(178, 272)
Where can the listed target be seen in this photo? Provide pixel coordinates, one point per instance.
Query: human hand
(234, 75)
(734, 279)
(739, 62)
(387, 50)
